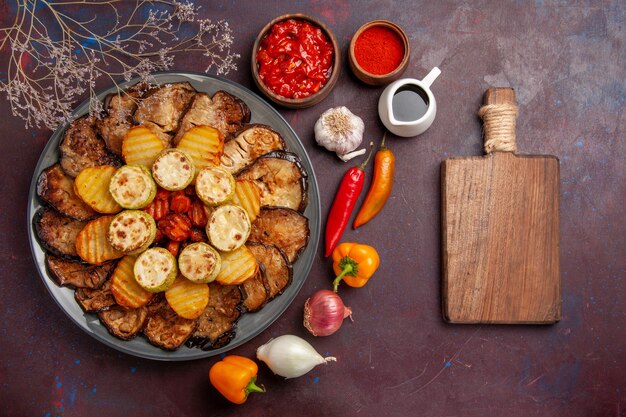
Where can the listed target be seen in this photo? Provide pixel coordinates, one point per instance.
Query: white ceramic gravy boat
(408, 127)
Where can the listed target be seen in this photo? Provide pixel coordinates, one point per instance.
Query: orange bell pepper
(354, 263)
(235, 377)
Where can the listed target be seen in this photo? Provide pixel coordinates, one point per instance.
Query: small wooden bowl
(315, 98)
(368, 77)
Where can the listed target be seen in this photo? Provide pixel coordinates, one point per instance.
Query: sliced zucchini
(132, 231)
(199, 262)
(215, 186)
(173, 169)
(228, 227)
(156, 269)
(132, 186)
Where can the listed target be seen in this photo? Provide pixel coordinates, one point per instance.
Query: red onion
(324, 313)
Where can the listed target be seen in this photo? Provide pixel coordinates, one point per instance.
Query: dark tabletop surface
(398, 358)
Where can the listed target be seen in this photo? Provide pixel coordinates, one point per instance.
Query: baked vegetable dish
(171, 215)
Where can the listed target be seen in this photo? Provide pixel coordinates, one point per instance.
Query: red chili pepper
(347, 195)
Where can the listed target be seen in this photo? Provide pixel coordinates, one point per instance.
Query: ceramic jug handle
(431, 77)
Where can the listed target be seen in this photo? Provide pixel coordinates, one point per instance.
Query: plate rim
(34, 203)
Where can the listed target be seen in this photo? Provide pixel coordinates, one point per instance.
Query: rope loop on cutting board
(499, 127)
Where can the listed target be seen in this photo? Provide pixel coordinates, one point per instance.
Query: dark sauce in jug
(409, 103)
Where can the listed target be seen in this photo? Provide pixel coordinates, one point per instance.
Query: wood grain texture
(500, 227)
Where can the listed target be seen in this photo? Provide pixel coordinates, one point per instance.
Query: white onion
(290, 356)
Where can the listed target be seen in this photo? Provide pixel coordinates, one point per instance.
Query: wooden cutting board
(500, 225)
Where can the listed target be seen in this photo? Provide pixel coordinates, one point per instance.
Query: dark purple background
(566, 61)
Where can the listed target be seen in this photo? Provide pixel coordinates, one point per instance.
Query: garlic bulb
(339, 130)
(290, 356)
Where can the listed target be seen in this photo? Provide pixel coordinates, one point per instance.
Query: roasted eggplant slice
(78, 274)
(281, 178)
(283, 227)
(216, 325)
(119, 117)
(56, 232)
(81, 148)
(276, 266)
(94, 300)
(56, 188)
(223, 111)
(256, 291)
(164, 106)
(165, 329)
(123, 323)
(248, 144)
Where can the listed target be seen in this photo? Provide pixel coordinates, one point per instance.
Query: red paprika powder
(379, 50)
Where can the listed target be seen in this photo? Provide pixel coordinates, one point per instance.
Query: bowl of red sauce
(296, 60)
(379, 52)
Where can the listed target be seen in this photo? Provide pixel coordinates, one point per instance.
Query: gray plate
(250, 324)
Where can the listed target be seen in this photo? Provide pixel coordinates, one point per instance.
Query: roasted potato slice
(188, 299)
(204, 144)
(57, 233)
(123, 323)
(92, 186)
(248, 196)
(281, 178)
(56, 188)
(237, 266)
(141, 146)
(92, 244)
(125, 289)
(283, 227)
(77, 274)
